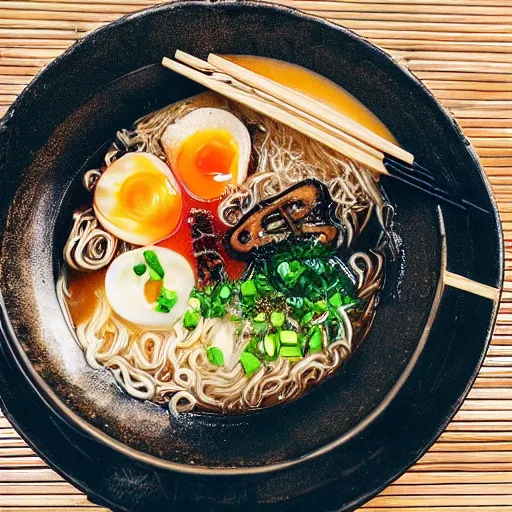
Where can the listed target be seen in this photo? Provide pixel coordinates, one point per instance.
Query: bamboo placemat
(462, 49)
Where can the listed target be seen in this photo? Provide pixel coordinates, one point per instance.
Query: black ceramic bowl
(345, 440)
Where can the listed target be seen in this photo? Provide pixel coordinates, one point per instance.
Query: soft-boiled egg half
(208, 149)
(138, 200)
(134, 295)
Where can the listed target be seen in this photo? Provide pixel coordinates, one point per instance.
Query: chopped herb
(259, 326)
(283, 269)
(225, 292)
(308, 304)
(320, 306)
(290, 272)
(140, 269)
(250, 363)
(154, 276)
(288, 337)
(154, 265)
(194, 303)
(277, 318)
(295, 286)
(248, 288)
(262, 284)
(307, 318)
(270, 343)
(191, 319)
(215, 356)
(166, 300)
(290, 352)
(252, 346)
(336, 300)
(260, 317)
(315, 341)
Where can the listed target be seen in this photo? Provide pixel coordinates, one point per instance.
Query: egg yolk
(136, 199)
(152, 290)
(146, 197)
(207, 162)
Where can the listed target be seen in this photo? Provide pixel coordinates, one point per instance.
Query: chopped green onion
(153, 275)
(320, 306)
(260, 317)
(277, 318)
(290, 352)
(315, 341)
(215, 356)
(283, 269)
(154, 264)
(262, 283)
(288, 337)
(225, 292)
(140, 269)
(166, 300)
(235, 318)
(348, 300)
(290, 272)
(191, 319)
(248, 288)
(194, 303)
(250, 363)
(336, 300)
(271, 344)
(307, 318)
(308, 303)
(259, 326)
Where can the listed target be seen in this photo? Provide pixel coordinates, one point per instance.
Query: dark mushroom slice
(303, 210)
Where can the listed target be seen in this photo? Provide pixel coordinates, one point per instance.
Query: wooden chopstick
(201, 65)
(277, 113)
(310, 106)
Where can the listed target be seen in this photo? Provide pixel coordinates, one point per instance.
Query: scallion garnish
(215, 356)
(315, 340)
(191, 319)
(248, 288)
(156, 270)
(288, 337)
(320, 306)
(270, 343)
(166, 300)
(277, 318)
(225, 292)
(260, 317)
(259, 326)
(307, 318)
(250, 363)
(194, 303)
(292, 352)
(336, 300)
(140, 269)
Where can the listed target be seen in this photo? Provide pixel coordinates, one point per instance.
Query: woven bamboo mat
(462, 49)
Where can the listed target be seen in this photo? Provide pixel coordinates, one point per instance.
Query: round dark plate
(345, 440)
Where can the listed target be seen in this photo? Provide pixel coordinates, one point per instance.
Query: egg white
(125, 289)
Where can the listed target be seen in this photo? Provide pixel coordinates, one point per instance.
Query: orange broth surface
(82, 286)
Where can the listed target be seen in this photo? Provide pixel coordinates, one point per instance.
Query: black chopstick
(420, 178)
